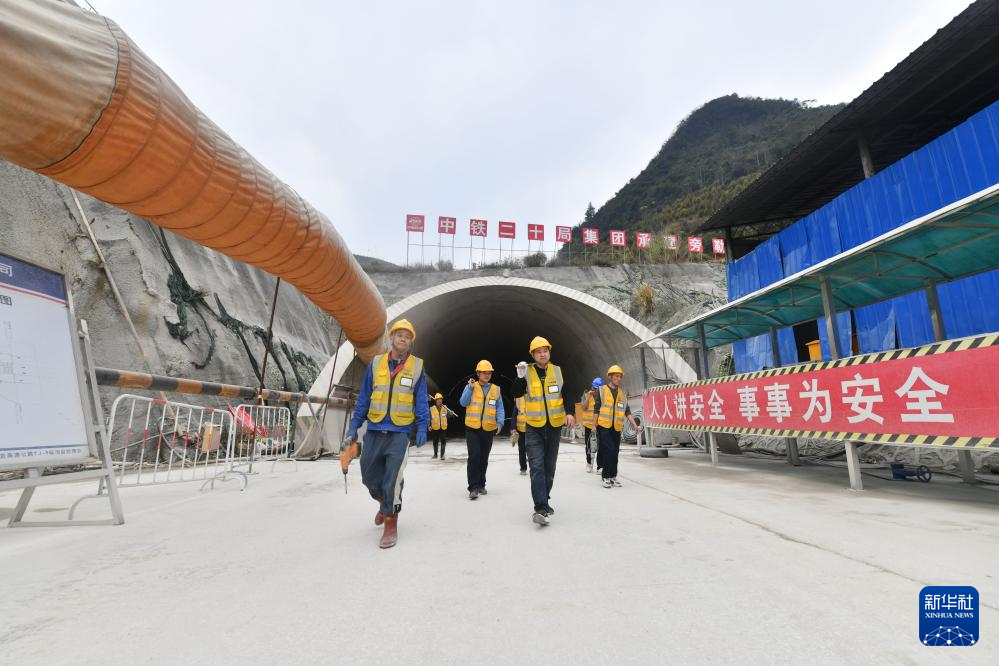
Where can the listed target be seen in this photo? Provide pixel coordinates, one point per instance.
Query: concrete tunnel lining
(460, 322)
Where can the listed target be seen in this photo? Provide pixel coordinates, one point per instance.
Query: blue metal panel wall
(953, 166)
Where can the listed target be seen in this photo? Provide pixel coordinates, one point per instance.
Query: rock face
(199, 314)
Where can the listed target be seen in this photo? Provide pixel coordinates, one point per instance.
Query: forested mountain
(714, 153)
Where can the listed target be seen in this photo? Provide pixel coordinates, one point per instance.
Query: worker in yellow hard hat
(438, 423)
(610, 410)
(541, 384)
(484, 417)
(392, 399)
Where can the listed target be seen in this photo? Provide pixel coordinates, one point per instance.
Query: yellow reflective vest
(438, 417)
(481, 411)
(541, 395)
(611, 410)
(394, 395)
(521, 414)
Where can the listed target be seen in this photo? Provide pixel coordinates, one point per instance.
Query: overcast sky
(503, 110)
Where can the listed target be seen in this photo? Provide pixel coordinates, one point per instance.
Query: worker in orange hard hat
(541, 384)
(610, 410)
(484, 417)
(392, 399)
(438, 423)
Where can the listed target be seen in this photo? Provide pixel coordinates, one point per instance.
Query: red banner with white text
(938, 395)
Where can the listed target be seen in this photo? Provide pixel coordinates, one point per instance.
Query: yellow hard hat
(484, 366)
(438, 397)
(403, 325)
(539, 342)
(615, 370)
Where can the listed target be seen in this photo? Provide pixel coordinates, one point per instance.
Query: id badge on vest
(406, 381)
(553, 388)
(491, 403)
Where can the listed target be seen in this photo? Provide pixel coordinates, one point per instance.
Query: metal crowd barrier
(156, 441)
(262, 433)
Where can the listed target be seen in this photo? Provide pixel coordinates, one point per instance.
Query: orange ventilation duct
(81, 104)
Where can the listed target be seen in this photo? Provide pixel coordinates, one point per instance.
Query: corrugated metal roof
(956, 241)
(950, 77)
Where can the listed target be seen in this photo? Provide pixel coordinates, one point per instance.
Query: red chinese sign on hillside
(477, 227)
(933, 393)
(414, 223)
(718, 245)
(507, 229)
(643, 239)
(591, 236)
(672, 241)
(695, 244)
(617, 238)
(535, 232)
(563, 234)
(447, 225)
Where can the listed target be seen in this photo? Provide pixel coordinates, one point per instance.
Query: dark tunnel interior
(497, 322)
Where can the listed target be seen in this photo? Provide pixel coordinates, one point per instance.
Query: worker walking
(393, 397)
(611, 407)
(483, 420)
(438, 424)
(540, 384)
(586, 412)
(517, 433)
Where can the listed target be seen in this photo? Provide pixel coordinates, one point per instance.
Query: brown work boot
(379, 517)
(390, 535)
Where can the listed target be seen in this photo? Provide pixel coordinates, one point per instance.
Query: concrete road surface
(749, 562)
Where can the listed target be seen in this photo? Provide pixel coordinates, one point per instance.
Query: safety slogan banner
(938, 395)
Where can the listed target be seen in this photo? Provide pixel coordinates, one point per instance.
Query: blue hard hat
(597, 382)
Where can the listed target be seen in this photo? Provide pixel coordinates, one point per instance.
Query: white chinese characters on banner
(643, 240)
(921, 399)
(446, 225)
(814, 395)
(591, 236)
(617, 238)
(477, 227)
(563, 234)
(718, 245)
(672, 241)
(748, 406)
(535, 232)
(860, 402)
(853, 399)
(695, 244)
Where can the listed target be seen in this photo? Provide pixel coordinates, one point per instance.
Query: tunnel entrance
(495, 318)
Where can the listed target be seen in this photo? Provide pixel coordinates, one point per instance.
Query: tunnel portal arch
(462, 321)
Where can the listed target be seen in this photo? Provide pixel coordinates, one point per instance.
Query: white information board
(42, 417)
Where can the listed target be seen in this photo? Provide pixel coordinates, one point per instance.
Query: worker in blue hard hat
(585, 408)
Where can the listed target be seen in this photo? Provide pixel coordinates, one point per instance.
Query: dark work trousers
(383, 460)
(610, 449)
(480, 443)
(522, 451)
(439, 436)
(587, 434)
(542, 453)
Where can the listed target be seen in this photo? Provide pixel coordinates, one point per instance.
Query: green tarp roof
(956, 241)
